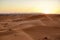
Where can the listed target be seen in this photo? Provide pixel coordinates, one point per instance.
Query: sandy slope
(29, 27)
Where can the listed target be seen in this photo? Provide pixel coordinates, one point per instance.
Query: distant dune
(29, 27)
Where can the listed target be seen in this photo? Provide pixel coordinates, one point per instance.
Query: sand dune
(30, 27)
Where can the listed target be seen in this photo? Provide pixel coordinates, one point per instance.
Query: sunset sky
(29, 6)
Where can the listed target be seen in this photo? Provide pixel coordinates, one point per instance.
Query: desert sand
(29, 27)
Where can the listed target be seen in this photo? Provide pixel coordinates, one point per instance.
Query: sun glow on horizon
(30, 6)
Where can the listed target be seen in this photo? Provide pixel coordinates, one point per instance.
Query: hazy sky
(27, 6)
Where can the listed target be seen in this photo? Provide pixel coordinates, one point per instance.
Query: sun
(46, 11)
(48, 7)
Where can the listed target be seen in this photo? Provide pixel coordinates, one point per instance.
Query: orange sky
(29, 6)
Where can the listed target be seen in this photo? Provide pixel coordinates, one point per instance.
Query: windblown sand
(30, 27)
